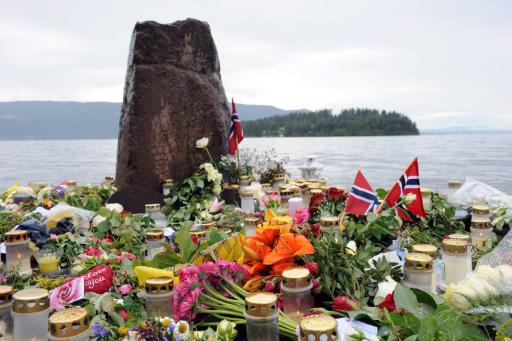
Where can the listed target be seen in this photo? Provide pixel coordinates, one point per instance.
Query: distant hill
(82, 120)
(349, 122)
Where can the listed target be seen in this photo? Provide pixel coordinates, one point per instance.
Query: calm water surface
(488, 157)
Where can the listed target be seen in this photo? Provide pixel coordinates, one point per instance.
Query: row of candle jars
(481, 228)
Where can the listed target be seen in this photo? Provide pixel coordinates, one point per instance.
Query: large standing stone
(173, 96)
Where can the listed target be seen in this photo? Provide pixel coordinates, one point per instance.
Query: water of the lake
(487, 157)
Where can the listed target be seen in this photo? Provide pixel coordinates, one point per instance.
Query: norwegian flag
(236, 135)
(362, 198)
(409, 182)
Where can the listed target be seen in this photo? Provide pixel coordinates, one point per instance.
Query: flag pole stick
(237, 157)
(342, 219)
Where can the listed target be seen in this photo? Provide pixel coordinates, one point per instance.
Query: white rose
(97, 220)
(490, 274)
(506, 273)
(202, 143)
(384, 289)
(115, 207)
(351, 247)
(408, 198)
(483, 290)
(455, 299)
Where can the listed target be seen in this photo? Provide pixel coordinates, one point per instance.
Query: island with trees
(349, 122)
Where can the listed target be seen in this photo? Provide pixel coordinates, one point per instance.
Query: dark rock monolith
(173, 96)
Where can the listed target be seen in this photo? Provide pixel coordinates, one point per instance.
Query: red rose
(389, 302)
(343, 303)
(123, 314)
(316, 200)
(312, 267)
(123, 213)
(269, 287)
(93, 251)
(315, 229)
(334, 194)
(317, 287)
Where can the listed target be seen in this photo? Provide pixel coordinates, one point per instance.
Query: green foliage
(349, 122)
(8, 221)
(89, 198)
(71, 246)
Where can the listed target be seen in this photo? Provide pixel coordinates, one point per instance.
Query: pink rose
(93, 251)
(128, 255)
(53, 236)
(125, 289)
(301, 215)
(312, 267)
(67, 293)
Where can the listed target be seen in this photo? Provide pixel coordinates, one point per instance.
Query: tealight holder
(419, 271)
(154, 241)
(153, 211)
(297, 298)
(48, 260)
(17, 251)
(30, 308)
(159, 296)
(329, 224)
(109, 181)
(455, 255)
(247, 200)
(286, 194)
(6, 323)
(426, 195)
(70, 324)
(70, 186)
(278, 180)
(480, 213)
(250, 226)
(261, 317)
(266, 187)
(318, 328)
(481, 231)
(167, 186)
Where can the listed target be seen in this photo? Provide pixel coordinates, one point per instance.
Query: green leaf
(91, 311)
(425, 298)
(104, 226)
(214, 237)
(405, 298)
(428, 329)
(118, 319)
(371, 217)
(411, 338)
(115, 221)
(166, 259)
(185, 243)
(200, 183)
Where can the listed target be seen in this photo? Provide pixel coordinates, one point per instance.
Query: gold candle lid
(272, 192)
(266, 186)
(425, 191)
(109, 178)
(314, 191)
(455, 247)
(246, 193)
(230, 186)
(168, 182)
(278, 176)
(285, 193)
(426, 249)
(418, 261)
(69, 322)
(158, 285)
(5, 294)
(154, 235)
(261, 304)
(16, 236)
(30, 300)
(459, 236)
(329, 221)
(251, 221)
(296, 277)
(481, 224)
(152, 207)
(208, 225)
(245, 180)
(315, 326)
(480, 210)
(199, 233)
(454, 184)
(71, 182)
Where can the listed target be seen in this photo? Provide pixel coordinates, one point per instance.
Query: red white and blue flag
(409, 182)
(236, 135)
(362, 198)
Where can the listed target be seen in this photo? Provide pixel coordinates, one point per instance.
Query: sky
(442, 63)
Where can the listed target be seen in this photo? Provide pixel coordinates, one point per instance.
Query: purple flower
(98, 330)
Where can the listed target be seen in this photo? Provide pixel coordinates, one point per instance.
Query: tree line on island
(349, 122)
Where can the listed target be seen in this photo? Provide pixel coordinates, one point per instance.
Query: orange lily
(288, 247)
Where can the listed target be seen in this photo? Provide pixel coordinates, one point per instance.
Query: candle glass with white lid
(426, 195)
(418, 271)
(297, 298)
(71, 324)
(481, 231)
(158, 295)
(153, 211)
(17, 251)
(431, 250)
(30, 309)
(261, 314)
(480, 212)
(329, 224)
(154, 243)
(6, 322)
(167, 186)
(278, 180)
(247, 200)
(454, 253)
(109, 181)
(318, 327)
(467, 239)
(250, 226)
(453, 187)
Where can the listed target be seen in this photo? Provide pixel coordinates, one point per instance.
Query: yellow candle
(48, 263)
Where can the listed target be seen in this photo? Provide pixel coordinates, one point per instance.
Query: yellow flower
(123, 330)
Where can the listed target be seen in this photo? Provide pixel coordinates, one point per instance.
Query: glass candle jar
(266, 187)
(30, 308)
(318, 328)
(17, 251)
(467, 239)
(329, 224)
(109, 181)
(153, 211)
(245, 181)
(295, 204)
(159, 297)
(48, 260)
(426, 195)
(167, 185)
(480, 213)
(261, 317)
(70, 324)
(6, 323)
(455, 252)
(278, 180)
(70, 186)
(453, 186)
(250, 226)
(297, 298)
(418, 271)
(154, 241)
(285, 195)
(247, 201)
(480, 232)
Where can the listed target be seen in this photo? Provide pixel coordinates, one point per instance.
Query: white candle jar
(454, 252)
(266, 187)
(467, 239)
(159, 297)
(480, 213)
(294, 204)
(30, 308)
(70, 324)
(426, 195)
(167, 186)
(278, 180)
(247, 201)
(297, 298)
(154, 243)
(250, 226)
(431, 251)
(17, 251)
(453, 186)
(480, 232)
(304, 191)
(6, 323)
(285, 194)
(70, 186)
(109, 181)
(329, 224)
(318, 328)
(418, 271)
(261, 317)
(153, 211)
